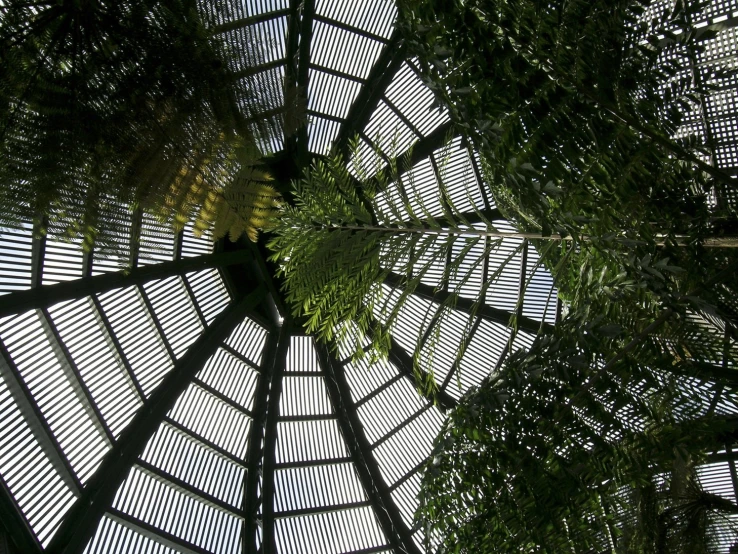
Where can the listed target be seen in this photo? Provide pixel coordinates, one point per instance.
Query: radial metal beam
(303, 77)
(247, 21)
(82, 519)
(271, 420)
(467, 306)
(48, 295)
(385, 509)
(292, 46)
(251, 499)
(381, 75)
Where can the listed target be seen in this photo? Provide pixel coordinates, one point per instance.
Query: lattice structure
(183, 412)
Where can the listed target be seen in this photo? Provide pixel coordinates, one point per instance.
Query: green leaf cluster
(338, 244)
(565, 451)
(581, 111)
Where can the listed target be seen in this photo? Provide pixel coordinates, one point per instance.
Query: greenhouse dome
(178, 406)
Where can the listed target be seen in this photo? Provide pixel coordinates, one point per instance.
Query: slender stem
(680, 240)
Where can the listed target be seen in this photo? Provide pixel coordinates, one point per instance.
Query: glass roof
(263, 438)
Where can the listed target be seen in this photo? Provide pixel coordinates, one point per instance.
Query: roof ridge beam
(247, 21)
(373, 483)
(268, 414)
(350, 28)
(297, 72)
(47, 295)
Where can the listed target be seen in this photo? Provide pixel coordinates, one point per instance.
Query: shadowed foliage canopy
(107, 107)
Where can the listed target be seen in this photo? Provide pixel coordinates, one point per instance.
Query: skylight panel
(300, 441)
(240, 14)
(192, 245)
(415, 101)
(248, 339)
(304, 396)
(457, 172)
(231, 377)
(54, 391)
(62, 261)
(269, 85)
(376, 17)
(477, 166)
(523, 339)
(387, 131)
(213, 419)
(389, 407)
(112, 536)
(322, 133)
(157, 242)
(451, 336)
(175, 312)
(135, 331)
(187, 459)
(401, 453)
(329, 533)
(209, 293)
(366, 159)
(482, 356)
(115, 395)
(166, 507)
(406, 497)
(260, 43)
(716, 479)
(329, 485)
(414, 317)
(16, 247)
(431, 260)
(390, 204)
(722, 108)
(364, 379)
(343, 50)
(348, 346)
(330, 94)
(504, 265)
(718, 10)
(467, 280)
(540, 296)
(302, 355)
(421, 189)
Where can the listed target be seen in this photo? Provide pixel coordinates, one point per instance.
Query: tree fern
(131, 100)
